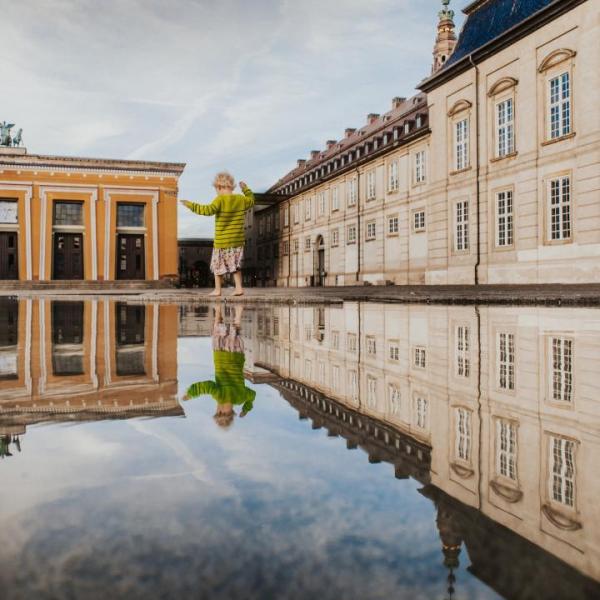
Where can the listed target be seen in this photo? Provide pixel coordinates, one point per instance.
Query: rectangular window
(461, 144)
(297, 212)
(394, 399)
(463, 351)
(421, 410)
(371, 192)
(286, 217)
(308, 369)
(504, 218)
(371, 232)
(462, 447)
(419, 221)
(393, 225)
(68, 213)
(335, 237)
(296, 246)
(394, 351)
(506, 449)
(505, 352)
(393, 180)
(353, 385)
(352, 192)
(307, 244)
(371, 391)
(286, 248)
(335, 340)
(562, 469)
(307, 209)
(560, 106)
(335, 198)
(562, 369)
(420, 173)
(351, 342)
(371, 346)
(8, 212)
(461, 231)
(419, 357)
(351, 234)
(505, 128)
(335, 378)
(321, 203)
(560, 208)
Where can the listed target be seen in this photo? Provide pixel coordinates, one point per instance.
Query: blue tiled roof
(489, 21)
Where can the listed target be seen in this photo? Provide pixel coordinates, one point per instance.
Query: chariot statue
(5, 137)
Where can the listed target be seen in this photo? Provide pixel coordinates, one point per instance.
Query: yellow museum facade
(87, 219)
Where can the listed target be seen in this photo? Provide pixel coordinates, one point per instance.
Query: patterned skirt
(226, 260)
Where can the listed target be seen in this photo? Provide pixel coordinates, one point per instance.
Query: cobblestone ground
(573, 295)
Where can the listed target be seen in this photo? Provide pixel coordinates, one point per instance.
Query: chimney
(371, 117)
(301, 162)
(349, 131)
(314, 154)
(397, 101)
(331, 144)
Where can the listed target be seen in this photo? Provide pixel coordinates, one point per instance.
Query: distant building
(490, 175)
(194, 262)
(86, 219)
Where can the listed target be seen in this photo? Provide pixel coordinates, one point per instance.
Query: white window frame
(352, 191)
(394, 351)
(560, 212)
(561, 362)
(562, 471)
(371, 345)
(504, 207)
(351, 234)
(504, 120)
(393, 225)
(420, 167)
(307, 243)
(335, 238)
(321, 204)
(419, 223)
(286, 217)
(371, 185)
(507, 449)
(419, 357)
(371, 231)
(461, 226)
(351, 342)
(560, 108)
(461, 145)
(393, 178)
(463, 434)
(462, 336)
(335, 340)
(307, 208)
(335, 199)
(505, 361)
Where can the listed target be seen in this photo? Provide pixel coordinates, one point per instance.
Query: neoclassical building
(86, 219)
(491, 174)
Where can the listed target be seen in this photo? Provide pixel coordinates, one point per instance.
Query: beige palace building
(86, 219)
(491, 174)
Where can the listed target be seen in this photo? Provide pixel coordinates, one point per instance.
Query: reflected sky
(124, 488)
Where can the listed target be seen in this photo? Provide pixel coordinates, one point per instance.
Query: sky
(218, 84)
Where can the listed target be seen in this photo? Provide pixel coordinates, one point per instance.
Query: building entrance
(9, 258)
(68, 255)
(131, 256)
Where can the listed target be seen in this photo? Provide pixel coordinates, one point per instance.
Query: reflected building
(64, 360)
(494, 409)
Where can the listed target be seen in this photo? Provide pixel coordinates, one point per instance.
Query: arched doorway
(319, 262)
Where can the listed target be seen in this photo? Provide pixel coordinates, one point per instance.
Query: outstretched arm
(249, 195)
(199, 389)
(206, 210)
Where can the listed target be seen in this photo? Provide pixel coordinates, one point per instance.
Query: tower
(446, 37)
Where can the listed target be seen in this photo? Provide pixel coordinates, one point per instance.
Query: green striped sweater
(230, 210)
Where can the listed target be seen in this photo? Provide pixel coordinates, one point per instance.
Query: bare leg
(237, 278)
(239, 310)
(218, 282)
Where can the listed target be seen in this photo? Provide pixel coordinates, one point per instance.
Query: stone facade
(491, 175)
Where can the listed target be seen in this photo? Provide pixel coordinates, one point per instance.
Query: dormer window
(419, 122)
(406, 127)
(396, 133)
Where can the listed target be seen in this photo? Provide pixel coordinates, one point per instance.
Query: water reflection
(66, 361)
(492, 410)
(228, 388)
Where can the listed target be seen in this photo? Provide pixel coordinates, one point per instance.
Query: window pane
(130, 215)
(68, 213)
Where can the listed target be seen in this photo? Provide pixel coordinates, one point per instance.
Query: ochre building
(66, 218)
(491, 174)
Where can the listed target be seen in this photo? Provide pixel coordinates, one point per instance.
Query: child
(229, 388)
(230, 209)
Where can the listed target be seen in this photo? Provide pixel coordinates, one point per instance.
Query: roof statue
(446, 13)
(5, 137)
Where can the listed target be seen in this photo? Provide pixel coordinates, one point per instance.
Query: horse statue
(5, 128)
(17, 139)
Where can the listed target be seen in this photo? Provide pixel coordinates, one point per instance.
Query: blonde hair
(224, 178)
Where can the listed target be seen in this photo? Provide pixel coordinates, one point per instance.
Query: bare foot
(215, 294)
(238, 293)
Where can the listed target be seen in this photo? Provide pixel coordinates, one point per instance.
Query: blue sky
(245, 86)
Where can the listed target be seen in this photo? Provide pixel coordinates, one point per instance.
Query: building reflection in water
(80, 361)
(494, 410)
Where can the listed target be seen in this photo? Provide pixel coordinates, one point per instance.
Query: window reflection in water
(67, 338)
(130, 335)
(9, 321)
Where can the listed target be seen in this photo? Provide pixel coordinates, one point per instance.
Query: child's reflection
(229, 387)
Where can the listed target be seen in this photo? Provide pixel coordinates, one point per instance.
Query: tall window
(461, 232)
(371, 231)
(504, 216)
(463, 434)
(296, 245)
(297, 212)
(421, 410)
(393, 180)
(321, 203)
(351, 340)
(335, 340)
(560, 106)
(352, 192)
(393, 225)
(371, 192)
(560, 208)
(307, 208)
(394, 351)
(371, 391)
(461, 144)
(335, 198)
(506, 449)
(463, 351)
(394, 399)
(420, 173)
(307, 244)
(351, 234)
(562, 369)
(506, 360)
(419, 221)
(505, 128)
(562, 469)
(286, 217)
(419, 357)
(335, 237)
(371, 345)
(353, 385)
(335, 377)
